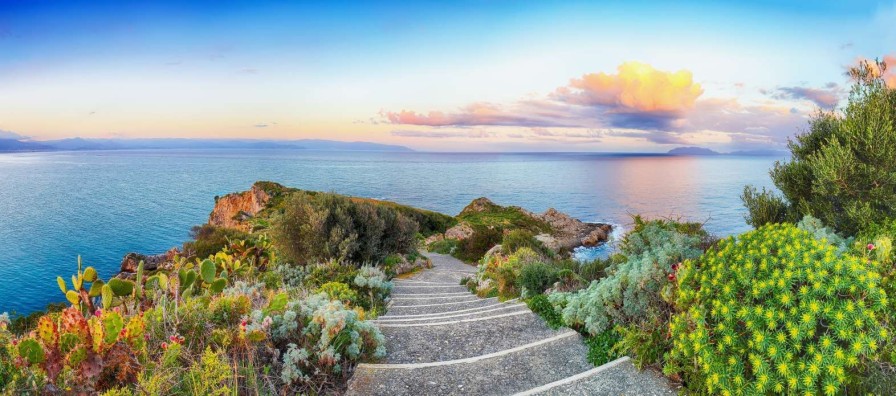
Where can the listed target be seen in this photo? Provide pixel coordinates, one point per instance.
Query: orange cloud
(637, 86)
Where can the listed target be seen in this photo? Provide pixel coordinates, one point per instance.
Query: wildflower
(164, 345)
(98, 312)
(671, 277)
(870, 246)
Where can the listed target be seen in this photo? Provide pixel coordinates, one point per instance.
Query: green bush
(537, 277)
(774, 310)
(476, 245)
(516, 239)
(841, 169)
(444, 246)
(330, 271)
(818, 230)
(328, 226)
(541, 306)
(602, 347)
(339, 291)
(764, 207)
(631, 293)
(208, 240)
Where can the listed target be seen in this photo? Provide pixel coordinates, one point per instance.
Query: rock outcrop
(234, 210)
(150, 262)
(570, 232)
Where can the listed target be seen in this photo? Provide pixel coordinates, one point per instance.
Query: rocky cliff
(233, 210)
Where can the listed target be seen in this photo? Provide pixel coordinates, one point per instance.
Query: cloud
(11, 135)
(261, 125)
(827, 97)
(478, 114)
(442, 134)
(637, 102)
(637, 88)
(249, 70)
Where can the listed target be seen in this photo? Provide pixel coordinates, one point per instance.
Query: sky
(633, 76)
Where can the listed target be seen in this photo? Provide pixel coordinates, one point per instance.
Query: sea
(101, 205)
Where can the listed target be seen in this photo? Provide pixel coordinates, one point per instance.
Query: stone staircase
(443, 340)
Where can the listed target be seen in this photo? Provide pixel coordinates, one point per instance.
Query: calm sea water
(101, 205)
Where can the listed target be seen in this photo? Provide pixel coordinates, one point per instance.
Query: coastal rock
(480, 204)
(570, 233)
(460, 232)
(150, 262)
(233, 210)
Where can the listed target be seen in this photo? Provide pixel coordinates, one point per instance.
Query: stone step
(411, 300)
(464, 338)
(413, 308)
(407, 290)
(495, 304)
(619, 377)
(444, 317)
(502, 372)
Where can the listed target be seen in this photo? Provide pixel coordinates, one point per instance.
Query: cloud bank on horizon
(496, 76)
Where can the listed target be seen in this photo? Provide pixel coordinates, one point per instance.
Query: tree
(843, 169)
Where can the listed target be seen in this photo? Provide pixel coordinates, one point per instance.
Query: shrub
(320, 339)
(631, 293)
(602, 347)
(498, 275)
(764, 207)
(208, 240)
(541, 306)
(840, 169)
(330, 271)
(774, 310)
(519, 238)
(536, 277)
(374, 286)
(340, 292)
(328, 226)
(227, 310)
(443, 246)
(477, 244)
(211, 375)
(818, 231)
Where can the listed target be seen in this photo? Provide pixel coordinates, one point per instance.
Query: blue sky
(468, 76)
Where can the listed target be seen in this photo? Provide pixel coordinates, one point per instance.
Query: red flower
(164, 345)
(870, 246)
(672, 277)
(98, 312)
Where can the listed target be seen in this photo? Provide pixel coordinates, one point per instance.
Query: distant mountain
(80, 144)
(692, 151)
(746, 153)
(10, 145)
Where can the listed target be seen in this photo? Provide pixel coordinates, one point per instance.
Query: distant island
(702, 151)
(82, 144)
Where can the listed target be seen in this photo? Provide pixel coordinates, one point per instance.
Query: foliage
(775, 310)
(764, 207)
(85, 354)
(519, 238)
(644, 344)
(208, 240)
(374, 285)
(478, 243)
(602, 347)
(537, 277)
(443, 246)
(631, 294)
(486, 214)
(328, 226)
(330, 271)
(211, 375)
(842, 170)
(340, 292)
(541, 306)
(320, 339)
(818, 231)
(498, 274)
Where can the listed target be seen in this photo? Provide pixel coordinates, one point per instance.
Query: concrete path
(442, 340)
